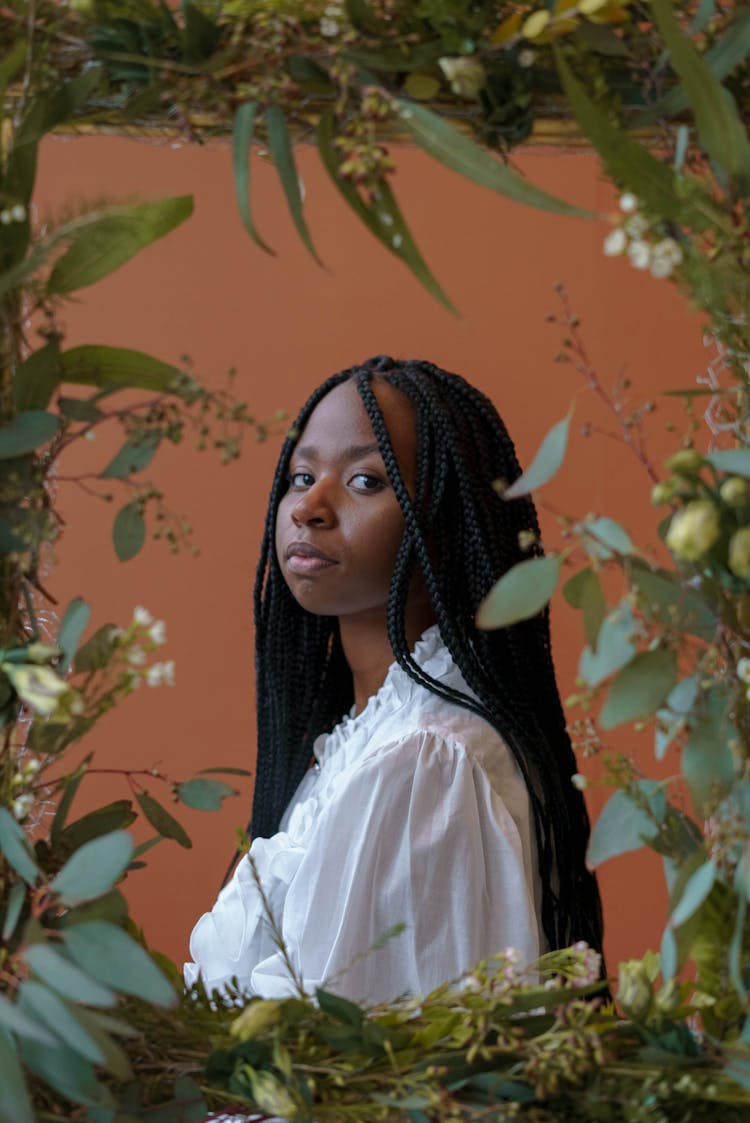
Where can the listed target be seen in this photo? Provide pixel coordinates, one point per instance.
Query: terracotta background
(208, 292)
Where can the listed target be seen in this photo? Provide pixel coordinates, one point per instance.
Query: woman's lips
(303, 558)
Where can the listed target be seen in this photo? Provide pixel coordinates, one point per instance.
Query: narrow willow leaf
(546, 463)
(128, 531)
(26, 432)
(92, 870)
(631, 164)
(16, 847)
(36, 380)
(110, 367)
(614, 647)
(242, 139)
(720, 126)
(280, 147)
(14, 905)
(65, 978)
(379, 222)
(73, 625)
(457, 151)
(162, 821)
(111, 956)
(205, 795)
(15, 1105)
(15, 1020)
(698, 886)
(639, 688)
(104, 245)
(135, 455)
(623, 825)
(520, 593)
(58, 1016)
(722, 58)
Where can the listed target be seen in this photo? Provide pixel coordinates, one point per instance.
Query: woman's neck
(367, 649)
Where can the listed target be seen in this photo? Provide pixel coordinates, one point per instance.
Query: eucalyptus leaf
(70, 785)
(97, 651)
(16, 848)
(128, 531)
(205, 795)
(546, 462)
(111, 956)
(666, 599)
(457, 151)
(102, 246)
(614, 648)
(623, 825)
(111, 367)
(672, 718)
(707, 760)
(15, 1105)
(736, 461)
(15, 1020)
(64, 977)
(520, 593)
(115, 1058)
(93, 869)
(242, 139)
(36, 379)
(74, 623)
(66, 1072)
(639, 688)
(115, 816)
(603, 538)
(696, 890)
(668, 954)
(280, 146)
(162, 821)
(26, 432)
(584, 592)
(14, 905)
(58, 1016)
(135, 455)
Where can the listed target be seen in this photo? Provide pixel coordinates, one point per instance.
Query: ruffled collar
(398, 689)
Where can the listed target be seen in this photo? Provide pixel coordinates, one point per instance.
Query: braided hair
(461, 536)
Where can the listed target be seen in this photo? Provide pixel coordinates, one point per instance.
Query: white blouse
(414, 812)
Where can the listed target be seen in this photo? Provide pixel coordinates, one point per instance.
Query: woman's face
(339, 525)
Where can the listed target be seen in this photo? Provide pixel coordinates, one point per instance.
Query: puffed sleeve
(416, 835)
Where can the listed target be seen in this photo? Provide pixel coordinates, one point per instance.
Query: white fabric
(415, 812)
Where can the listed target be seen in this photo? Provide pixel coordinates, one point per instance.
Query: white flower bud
(615, 243)
(142, 617)
(628, 202)
(640, 254)
(743, 669)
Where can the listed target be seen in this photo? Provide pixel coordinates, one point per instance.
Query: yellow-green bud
(662, 492)
(693, 530)
(634, 988)
(739, 552)
(735, 492)
(270, 1095)
(256, 1017)
(466, 76)
(38, 687)
(42, 653)
(686, 462)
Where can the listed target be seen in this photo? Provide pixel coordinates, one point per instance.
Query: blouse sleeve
(418, 837)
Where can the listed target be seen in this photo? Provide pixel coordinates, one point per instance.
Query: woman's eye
(301, 479)
(363, 481)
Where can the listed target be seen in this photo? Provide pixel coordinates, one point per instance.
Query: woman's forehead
(340, 421)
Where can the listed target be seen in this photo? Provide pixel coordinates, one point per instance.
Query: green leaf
(15, 1106)
(639, 688)
(162, 821)
(520, 593)
(16, 847)
(736, 461)
(15, 902)
(698, 886)
(457, 151)
(382, 216)
(73, 625)
(11, 63)
(280, 147)
(623, 825)
(720, 127)
(630, 164)
(14, 1020)
(722, 58)
(97, 651)
(242, 139)
(93, 869)
(201, 35)
(104, 820)
(340, 1008)
(135, 455)
(70, 785)
(111, 956)
(205, 795)
(104, 245)
(65, 978)
(603, 537)
(707, 760)
(37, 378)
(584, 592)
(672, 719)
(66, 1072)
(26, 432)
(546, 463)
(115, 1058)
(664, 598)
(668, 954)
(613, 648)
(59, 1017)
(128, 531)
(109, 367)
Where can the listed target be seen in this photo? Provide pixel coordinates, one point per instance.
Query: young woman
(412, 770)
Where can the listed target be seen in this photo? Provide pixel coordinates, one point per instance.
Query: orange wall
(208, 292)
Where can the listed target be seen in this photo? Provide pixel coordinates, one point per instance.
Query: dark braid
(461, 536)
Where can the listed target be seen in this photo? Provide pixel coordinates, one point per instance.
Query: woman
(411, 769)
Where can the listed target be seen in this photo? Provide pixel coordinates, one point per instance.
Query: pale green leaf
(16, 847)
(668, 954)
(603, 538)
(520, 593)
(613, 649)
(162, 821)
(205, 795)
(584, 592)
(73, 625)
(707, 761)
(639, 688)
(15, 1020)
(242, 139)
(26, 432)
(93, 869)
(64, 977)
(735, 461)
(14, 904)
(135, 455)
(111, 956)
(58, 1016)
(546, 463)
(458, 151)
(66, 1072)
(128, 531)
(697, 888)
(623, 825)
(111, 367)
(672, 718)
(15, 1106)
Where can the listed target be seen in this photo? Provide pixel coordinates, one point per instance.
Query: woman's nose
(314, 507)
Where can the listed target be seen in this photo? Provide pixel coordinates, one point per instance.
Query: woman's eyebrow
(352, 452)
